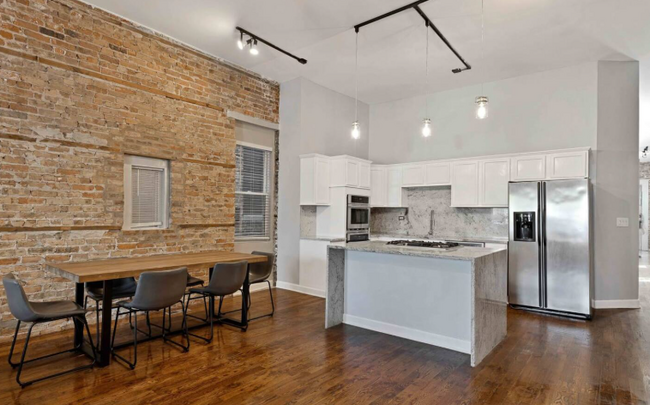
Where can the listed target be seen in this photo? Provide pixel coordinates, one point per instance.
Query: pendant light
(426, 123)
(356, 132)
(482, 101)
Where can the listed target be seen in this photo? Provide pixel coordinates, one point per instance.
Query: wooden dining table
(111, 269)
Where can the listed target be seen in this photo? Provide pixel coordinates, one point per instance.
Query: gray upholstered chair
(260, 273)
(40, 312)
(157, 290)
(122, 288)
(227, 278)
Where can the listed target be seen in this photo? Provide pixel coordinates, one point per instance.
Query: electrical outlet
(622, 222)
(401, 217)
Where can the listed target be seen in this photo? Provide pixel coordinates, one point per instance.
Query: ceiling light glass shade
(356, 133)
(426, 128)
(481, 107)
(254, 50)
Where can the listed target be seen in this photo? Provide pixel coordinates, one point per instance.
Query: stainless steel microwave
(358, 217)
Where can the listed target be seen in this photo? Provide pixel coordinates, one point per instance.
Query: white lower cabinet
(494, 175)
(464, 184)
(313, 266)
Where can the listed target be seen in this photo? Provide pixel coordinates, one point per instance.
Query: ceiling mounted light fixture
(482, 101)
(426, 123)
(253, 46)
(356, 133)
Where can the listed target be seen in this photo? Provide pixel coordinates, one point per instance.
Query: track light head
(241, 43)
(253, 46)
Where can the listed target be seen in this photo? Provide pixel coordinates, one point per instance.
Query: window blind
(252, 192)
(146, 196)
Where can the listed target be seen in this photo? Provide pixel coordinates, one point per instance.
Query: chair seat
(57, 310)
(256, 278)
(211, 291)
(98, 293)
(193, 281)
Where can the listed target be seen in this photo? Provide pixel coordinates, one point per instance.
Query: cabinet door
(494, 175)
(378, 187)
(395, 187)
(528, 167)
(464, 184)
(567, 165)
(322, 186)
(352, 173)
(413, 175)
(437, 174)
(364, 175)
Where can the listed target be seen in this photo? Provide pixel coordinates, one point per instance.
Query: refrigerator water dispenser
(524, 227)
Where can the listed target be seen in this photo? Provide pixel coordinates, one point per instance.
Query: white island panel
(417, 298)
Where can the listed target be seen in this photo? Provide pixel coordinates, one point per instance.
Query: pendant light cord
(356, 77)
(482, 46)
(426, 72)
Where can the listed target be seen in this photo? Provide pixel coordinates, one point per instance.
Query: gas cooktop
(422, 243)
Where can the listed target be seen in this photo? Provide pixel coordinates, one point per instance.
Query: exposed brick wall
(79, 89)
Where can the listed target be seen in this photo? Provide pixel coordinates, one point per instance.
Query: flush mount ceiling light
(482, 101)
(252, 43)
(356, 133)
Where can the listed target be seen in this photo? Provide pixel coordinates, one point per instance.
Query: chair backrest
(160, 289)
(19, 305)
(227, 278)
(264, 268)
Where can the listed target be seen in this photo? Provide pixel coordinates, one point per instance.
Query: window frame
(269, 194)
(131, 161)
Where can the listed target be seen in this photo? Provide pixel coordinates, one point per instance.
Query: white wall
(616, 189)
(313, 119)
(548, 110)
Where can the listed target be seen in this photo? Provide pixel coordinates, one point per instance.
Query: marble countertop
(450, 238)
(458, 253)
(325, 238)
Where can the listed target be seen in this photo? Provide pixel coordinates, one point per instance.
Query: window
(252, 191)
(146, 193)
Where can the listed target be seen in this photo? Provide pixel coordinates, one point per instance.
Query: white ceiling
(521, 37)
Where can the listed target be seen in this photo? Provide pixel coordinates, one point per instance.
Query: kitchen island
(453, 298)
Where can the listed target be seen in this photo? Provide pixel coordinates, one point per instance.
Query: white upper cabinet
(437, 174)
(494, 175)
(348, 171)
(394, 174)
(378, 186)
(567, 165)
(464, 184)
(314, 180)
(413, 175)
(528, 167)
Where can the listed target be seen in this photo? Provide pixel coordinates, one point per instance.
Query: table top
(111, 269)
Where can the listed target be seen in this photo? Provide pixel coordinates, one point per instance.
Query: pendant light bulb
(356, 133)
(426, 128)
(481, 107)
(253, 50)
(240, 43)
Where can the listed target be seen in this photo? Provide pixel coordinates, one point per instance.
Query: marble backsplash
(449, 223)
(307, 221)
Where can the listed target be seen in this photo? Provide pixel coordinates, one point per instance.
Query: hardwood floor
(291, 359)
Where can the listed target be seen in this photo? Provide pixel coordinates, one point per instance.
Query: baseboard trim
(300, 289)
(446, 342)
(616, 304)
(255, 287)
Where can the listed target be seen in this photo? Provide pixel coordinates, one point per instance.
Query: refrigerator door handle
(542, 244)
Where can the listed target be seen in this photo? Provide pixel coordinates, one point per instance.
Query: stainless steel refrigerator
(549, 252)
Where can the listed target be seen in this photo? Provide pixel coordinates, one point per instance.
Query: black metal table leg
(245, 293)
(78, 326)
(105, 340)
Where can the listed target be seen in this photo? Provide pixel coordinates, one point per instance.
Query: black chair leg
(209, 317)
(13, 345)
(20, 365)
(272, 304)
(135, 340)
(183, 326)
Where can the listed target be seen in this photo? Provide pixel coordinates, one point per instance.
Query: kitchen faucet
(432, 224)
